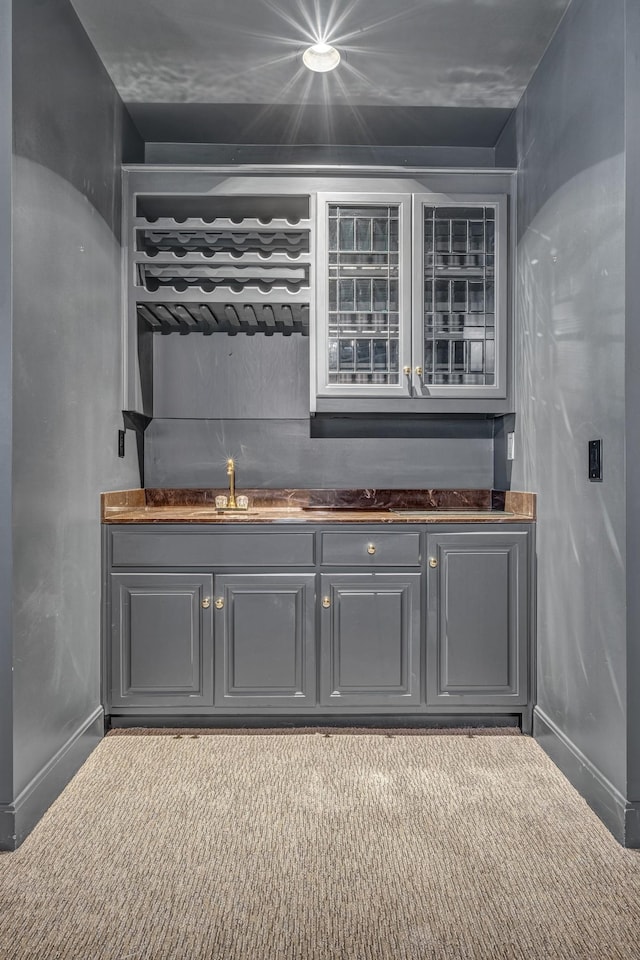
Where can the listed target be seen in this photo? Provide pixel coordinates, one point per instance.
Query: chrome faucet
(231, 473)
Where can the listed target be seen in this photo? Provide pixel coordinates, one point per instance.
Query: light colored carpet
(313, 847)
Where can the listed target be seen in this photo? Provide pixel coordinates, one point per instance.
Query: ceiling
(461, 54)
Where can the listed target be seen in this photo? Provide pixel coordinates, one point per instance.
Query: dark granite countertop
(188, 505)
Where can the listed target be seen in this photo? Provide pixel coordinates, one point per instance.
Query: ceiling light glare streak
(321, 57)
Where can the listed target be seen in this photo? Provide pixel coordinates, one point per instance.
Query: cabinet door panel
(370, 640)
(265, 640)
(162, 640)
(478, 618)
(460, 305)
(363, 294)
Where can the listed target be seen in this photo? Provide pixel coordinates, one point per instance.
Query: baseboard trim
(256, 721)
(18, 819)
(619, 816)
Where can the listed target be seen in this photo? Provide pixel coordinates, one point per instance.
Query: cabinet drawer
(372, 548)
(154, 548)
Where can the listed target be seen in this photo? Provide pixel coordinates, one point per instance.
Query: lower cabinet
(370, 640)
(162, 640)
(265, 640)
(478, 618)
(429, 619)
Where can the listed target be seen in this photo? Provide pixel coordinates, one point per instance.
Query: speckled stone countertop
(320, 506)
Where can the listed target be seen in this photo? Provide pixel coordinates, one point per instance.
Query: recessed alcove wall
(248, 397)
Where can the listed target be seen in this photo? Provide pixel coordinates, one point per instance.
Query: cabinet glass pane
(364, 320)
(459, 295)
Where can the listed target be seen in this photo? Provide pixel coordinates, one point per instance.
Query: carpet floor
(316, 847)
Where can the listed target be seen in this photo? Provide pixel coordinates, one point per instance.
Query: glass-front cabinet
(459, 297)
(364, 294)
(412, 296)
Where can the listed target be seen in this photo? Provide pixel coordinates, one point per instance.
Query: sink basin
(461, 512)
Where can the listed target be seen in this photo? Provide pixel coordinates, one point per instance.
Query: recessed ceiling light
(321, 57)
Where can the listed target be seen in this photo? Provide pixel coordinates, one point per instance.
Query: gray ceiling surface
(436, 53)
(455, 67)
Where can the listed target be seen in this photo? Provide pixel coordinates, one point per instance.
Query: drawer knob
(406, 371)
(206, 603)
(326, 602)
(433, 562)
(219, 603)
(418, 371)
(371, 548)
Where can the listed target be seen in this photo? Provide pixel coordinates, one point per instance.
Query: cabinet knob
(406, 371)
(433, 562)
(326, 602)
(418, 371)
(371, 548)
(219, 604)
(206, 603)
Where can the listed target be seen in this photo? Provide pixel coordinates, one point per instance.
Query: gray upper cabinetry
(459, 297)
(211, 254)
(363, 294)
(411, 294)
(394, 286)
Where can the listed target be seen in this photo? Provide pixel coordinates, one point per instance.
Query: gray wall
(6, 646)
(570, 358)
(248, 397)
(69, 129)
(632, 394)
(282, 453)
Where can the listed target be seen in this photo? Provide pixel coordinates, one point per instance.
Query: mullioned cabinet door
(161, 640)
(363, 294)
(460, 301)
(370, 640)
(265, 640)
(478, 617)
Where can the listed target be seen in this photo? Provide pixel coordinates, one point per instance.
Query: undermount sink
(429, 511)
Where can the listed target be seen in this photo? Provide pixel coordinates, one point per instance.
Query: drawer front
(371, 548)
(166, 548)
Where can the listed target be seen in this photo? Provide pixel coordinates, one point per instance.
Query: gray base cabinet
(370, 640)
(422, 619)
(162, 640)
(265, 640)
(478, 618)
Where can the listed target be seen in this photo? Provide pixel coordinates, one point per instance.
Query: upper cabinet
(235, 257)
(215, 263)
(411, 295)
(363, 294)
(395, 284)
(459, 297)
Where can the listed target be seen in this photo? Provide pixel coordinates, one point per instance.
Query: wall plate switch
(121, 443)
(511, 445)
(595, 459)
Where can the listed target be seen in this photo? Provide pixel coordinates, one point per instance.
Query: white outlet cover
(511, 445)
